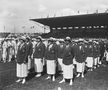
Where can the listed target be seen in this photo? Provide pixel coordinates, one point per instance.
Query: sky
(14, 14)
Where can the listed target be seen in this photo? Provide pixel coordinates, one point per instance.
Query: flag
(48, 16)
(78, 11)
(96, 11)
(54, 15)
(87, 11)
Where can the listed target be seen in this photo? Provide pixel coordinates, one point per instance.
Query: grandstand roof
(75, 20)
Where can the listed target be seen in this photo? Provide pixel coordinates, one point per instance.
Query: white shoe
(98, 65)
(78, 75)
(100, 62)
(82, 76)
(38, 75)
(73, 66)
(94, 67)
(18, 80)
(71, 82)
(53, 79)
(91, 69)
(23, 81)
(62, 81)
(48, 77)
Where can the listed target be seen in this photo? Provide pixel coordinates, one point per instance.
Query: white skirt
(80, 67)
(29, 63)
(95, 61)
(38, 65)
(22, 70)
(106, 56)
(68, 71)
(51, 67)
(60, 62)
(89, 62)
(4, 54)
(74, 61)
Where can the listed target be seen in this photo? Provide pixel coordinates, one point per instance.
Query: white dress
(68, 71)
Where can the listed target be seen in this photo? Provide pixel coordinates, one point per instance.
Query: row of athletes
(67, 55)
(8, 49)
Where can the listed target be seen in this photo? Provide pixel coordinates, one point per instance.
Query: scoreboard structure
(85, 26)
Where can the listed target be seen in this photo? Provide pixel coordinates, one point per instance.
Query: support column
(51, 30)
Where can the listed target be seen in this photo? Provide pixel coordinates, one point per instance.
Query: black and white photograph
(53, 45)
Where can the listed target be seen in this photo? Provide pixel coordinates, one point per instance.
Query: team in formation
(68, 56)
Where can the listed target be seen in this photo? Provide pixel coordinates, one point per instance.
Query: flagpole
(14, 28)
(4, 28)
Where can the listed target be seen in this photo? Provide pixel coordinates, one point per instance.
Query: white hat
(68, 38)
(80, 39)
(61, 40)
(39, 37)
(23, 38)
(51, 39)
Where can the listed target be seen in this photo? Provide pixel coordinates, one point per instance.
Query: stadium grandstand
(83, 26)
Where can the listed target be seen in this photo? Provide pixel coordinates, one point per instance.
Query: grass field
(95, 80)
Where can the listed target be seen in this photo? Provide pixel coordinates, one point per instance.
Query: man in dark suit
(21, 58)
(51, 58)
(38, 55)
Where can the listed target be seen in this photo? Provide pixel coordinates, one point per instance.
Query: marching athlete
(51, 58)
(68, 56)
(38, 55)
(80, 58)
(30, 51)
(21, 58)
(60, 55)
(89, 60)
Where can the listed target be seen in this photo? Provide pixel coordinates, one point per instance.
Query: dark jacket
(95, 50)
(60, 51)
(30, 48)
(89, 50)
(80, 54)
(102, 47)
(39, 51)
(106, 46)
(51, 54)
(22, 54)
(68, 55)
